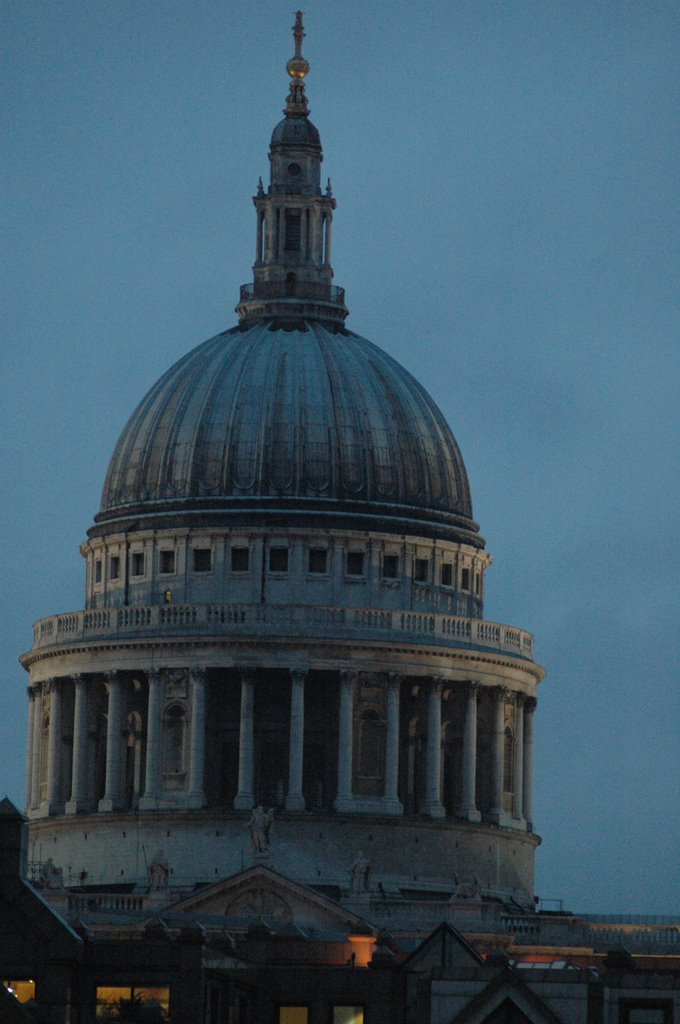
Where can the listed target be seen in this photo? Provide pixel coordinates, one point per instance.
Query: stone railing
(248, 620)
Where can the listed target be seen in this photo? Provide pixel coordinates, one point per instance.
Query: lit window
(390, 567)
(355, 563)
(98, 570)
(202, 559)
(465, 579)
(114, 567)
(317, 559)
(293, 1014)
(348, 1015)
(447, 574)
(22, 991)
(240, 559)
(422, 570)
(137, 563)
(167, 562)
(132, 1003)
(278, 559)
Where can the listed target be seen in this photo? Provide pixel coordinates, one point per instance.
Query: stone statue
(467, 888)
(261, 828)
(50, 876)
(361, 874)
(159, 871)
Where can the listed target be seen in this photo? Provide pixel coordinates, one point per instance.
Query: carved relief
(260, 903)
(176, 682)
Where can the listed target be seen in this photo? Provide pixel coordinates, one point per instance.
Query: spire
(298, 69)
(293, 271)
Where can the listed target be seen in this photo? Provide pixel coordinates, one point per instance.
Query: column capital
(247, 675)
(298, 675)
(501, 693)
(436, 684)
(197, 673)
(395, 679)
(530, 704)
(78, 678)
(154, 675)
(113, 680)
(520, 699)
(348, 676)
(49, 685)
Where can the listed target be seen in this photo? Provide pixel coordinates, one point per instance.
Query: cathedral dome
(305, 417)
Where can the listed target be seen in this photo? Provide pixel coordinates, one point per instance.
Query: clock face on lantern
(294, 170)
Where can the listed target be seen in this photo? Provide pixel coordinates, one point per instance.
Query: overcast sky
(507, 228)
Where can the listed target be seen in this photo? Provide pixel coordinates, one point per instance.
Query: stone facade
(282, 655)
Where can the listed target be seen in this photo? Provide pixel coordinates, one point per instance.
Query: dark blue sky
(507, 227)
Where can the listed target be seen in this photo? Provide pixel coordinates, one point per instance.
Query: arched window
(174, 739)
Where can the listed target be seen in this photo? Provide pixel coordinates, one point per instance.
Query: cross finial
(298, 33)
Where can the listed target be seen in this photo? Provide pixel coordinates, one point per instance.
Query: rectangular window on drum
(422, 570)
(390, 567)
(317, 560)
(167, 562)
(137, 563)
(447, 574)
(240, 560)
(355, 563)
(278, 559)
(202, 559)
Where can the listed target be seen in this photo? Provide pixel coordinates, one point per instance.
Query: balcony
(260, 622)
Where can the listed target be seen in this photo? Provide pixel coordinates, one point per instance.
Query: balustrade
(446, 630)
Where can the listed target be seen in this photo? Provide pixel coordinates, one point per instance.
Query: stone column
(196, 796)
(54, 743)
(518, 764)
(36, 747)
(295, 801)
(78, 800)
(468, 808)
(496, 811)
(29, 747)
(245, 797)
(153, 742)
(433, 783)
(329, 240)
(344, 801)
(528, 766)
(258, 244)
(114, 744)
(391, 802)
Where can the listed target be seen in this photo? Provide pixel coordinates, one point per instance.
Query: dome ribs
(306, 419)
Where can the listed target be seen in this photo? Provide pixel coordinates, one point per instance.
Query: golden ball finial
(297, 67)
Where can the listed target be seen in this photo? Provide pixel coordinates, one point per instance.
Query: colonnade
(46, 784)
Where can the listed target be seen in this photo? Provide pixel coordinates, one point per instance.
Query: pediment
(506, 1000)
(260, 894)
(444, 948)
